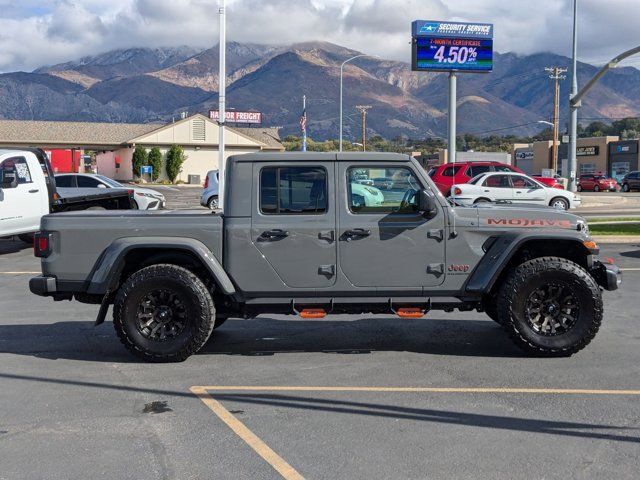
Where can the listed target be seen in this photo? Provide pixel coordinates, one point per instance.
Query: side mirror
(426, 203)
(102, 185)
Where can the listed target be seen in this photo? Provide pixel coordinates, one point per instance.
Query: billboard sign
(233, 116)
(452, 46)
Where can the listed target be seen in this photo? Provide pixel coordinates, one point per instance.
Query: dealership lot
(74, 401)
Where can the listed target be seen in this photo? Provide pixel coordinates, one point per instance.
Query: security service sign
(452, 46)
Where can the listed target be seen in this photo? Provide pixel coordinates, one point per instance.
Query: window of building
(293, 190)
(587, 168)
(389, 190)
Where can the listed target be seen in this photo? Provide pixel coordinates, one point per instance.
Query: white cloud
(37, 33)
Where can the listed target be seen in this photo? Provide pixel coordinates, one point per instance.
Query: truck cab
(24, 195)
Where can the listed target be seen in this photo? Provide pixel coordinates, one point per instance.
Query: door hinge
(327, 270)
(436, 269)
(436, 234)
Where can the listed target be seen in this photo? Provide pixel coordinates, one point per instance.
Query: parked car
(552, 182)
(449, 174)
(28, 191)
(597, 182)
(143, 198)
(631, 181)
(513, 188)
(209, 197)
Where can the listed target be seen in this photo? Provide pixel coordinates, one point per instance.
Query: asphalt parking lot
(282, 397)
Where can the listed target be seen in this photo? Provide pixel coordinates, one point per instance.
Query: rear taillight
(42, 244)
(457, 191)
(131, 193)
(206, 182)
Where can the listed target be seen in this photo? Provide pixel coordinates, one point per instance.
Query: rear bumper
(608, 276)
(43, 286)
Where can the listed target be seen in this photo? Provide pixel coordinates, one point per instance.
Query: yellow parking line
(250, 438)
(290, 473)
(512, 390)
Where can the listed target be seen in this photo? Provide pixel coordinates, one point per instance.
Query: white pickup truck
(28, 191)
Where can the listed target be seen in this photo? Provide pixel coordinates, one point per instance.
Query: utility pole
(453, 106)
(572, 157)
(555, 74)
(363, 110)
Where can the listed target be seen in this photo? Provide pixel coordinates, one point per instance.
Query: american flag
(303, 120)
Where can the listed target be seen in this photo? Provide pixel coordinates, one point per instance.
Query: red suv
(597, 182)
(448, 174)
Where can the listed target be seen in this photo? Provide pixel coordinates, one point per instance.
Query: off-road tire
(534, 274)
(199, 310)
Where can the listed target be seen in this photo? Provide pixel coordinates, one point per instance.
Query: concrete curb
(631, 239)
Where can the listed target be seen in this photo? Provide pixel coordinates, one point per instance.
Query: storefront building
(623, 158)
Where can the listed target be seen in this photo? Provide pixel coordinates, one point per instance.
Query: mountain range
(151, 85)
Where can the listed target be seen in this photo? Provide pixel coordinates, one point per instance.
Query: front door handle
(34, 191)
(356, 233)
(274, 234)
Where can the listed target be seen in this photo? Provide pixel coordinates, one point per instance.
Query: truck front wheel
(163, 313)
(550, 306)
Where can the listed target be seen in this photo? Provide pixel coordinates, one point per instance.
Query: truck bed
(84, 235)
(82, 198)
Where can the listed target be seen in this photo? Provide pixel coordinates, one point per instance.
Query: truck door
(294, 224)
(383, 240)
(22, 203)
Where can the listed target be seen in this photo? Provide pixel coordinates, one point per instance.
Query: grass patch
(619, 229)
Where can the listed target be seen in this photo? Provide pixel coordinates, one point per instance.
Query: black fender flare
(502, 250)
(109, 267)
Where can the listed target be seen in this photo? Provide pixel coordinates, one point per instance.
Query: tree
(139, 159)
(175, 159)
(155, 160)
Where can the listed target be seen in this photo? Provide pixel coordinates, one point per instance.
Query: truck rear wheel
(550, 306)
(163, 313)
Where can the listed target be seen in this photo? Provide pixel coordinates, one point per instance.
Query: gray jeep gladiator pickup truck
(313, 234)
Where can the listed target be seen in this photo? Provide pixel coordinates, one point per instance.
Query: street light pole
(341, 88)
(572, 161)
(222, 88)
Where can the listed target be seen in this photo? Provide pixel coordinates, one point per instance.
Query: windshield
(109, 181)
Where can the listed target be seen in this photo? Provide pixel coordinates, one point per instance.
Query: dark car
(448, 174)
(597, 182)
(631, 181)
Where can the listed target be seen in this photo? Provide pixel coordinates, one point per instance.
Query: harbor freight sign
(233, 116)
(452, 46)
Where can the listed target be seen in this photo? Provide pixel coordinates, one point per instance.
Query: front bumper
(608, 276)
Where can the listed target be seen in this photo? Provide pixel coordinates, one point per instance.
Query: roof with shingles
(45, 133)
(94, 134)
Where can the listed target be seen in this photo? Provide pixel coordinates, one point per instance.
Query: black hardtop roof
(321, 157)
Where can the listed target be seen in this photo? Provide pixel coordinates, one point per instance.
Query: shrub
(155, 160)
(175, 159)
(139, 159)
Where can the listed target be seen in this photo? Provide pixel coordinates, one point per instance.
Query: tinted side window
(450, 171)
(87, 182)
(497, 181)
(65, 182)
(478, 170)
(393, 190)
(293, 190)
(19, 165)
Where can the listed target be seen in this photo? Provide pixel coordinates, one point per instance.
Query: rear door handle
(356, 233)
(34, 191)
(274, 234)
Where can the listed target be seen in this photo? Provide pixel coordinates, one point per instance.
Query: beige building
(115, 142)
(592, 155)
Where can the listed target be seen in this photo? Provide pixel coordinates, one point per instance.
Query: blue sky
(36, 33)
